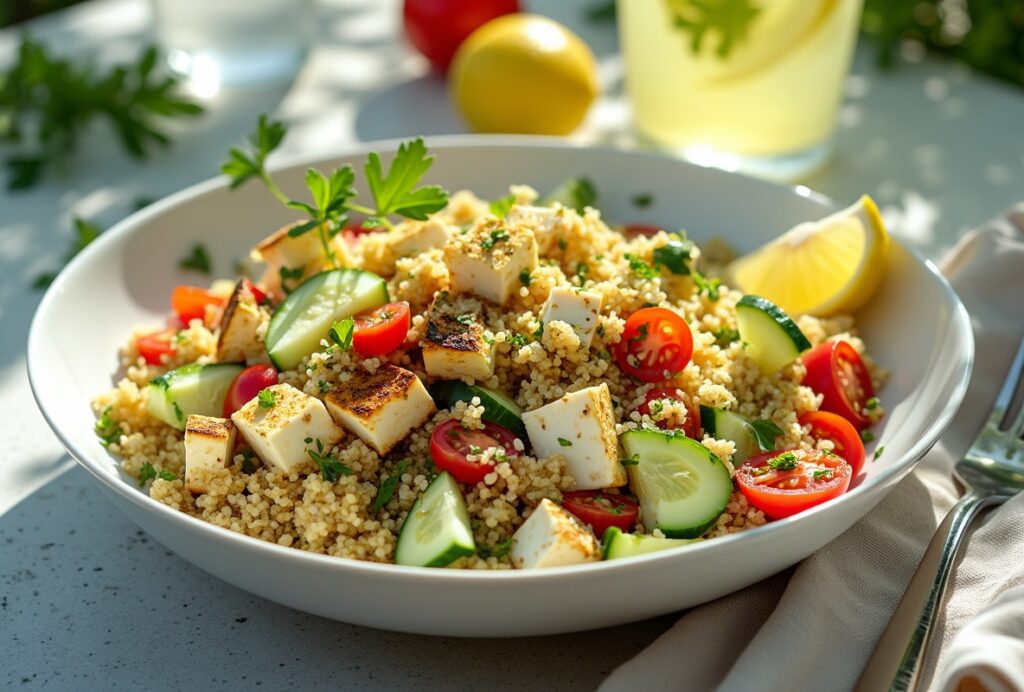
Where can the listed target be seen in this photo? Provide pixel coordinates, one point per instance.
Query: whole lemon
(526, 74)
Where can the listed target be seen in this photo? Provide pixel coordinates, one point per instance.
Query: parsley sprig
(330, 468)
(387, 487)
(107, 429)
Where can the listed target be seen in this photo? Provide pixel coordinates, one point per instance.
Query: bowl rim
(298, 557)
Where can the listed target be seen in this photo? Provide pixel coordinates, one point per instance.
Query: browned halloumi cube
(239, 340)
(290, 261)
(209, 447)
(381, 407)
(488, 258)
(455, 345)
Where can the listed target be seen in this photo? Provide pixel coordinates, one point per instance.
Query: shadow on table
(76, 577)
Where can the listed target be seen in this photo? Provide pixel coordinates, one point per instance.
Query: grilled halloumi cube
(278, 432)
(547, 224)
(413, 237)
(488, 258)
(381, 407)
(239, 338)
(455, 345)
(578, 309)
(551, 537)
(581, 427)
(209, 447)
(290, 260)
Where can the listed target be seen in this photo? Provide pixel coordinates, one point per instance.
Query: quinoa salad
(486, 384)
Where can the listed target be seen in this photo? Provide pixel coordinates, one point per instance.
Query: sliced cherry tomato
(602, 510)
(450, 444)
(782, 483)
(845, 438)
(436, 28)
(258, 293)
(633, 230)
(381, 330)
(836, 371)
(190, 302)
(246, 385)
(692, 425)
(153, 346)
(656, 344)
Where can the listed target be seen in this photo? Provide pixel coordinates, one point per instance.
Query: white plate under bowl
(915, 326)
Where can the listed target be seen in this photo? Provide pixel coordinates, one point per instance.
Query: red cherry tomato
(836, 371)
(829, 426)
(153, 346)
(692, 425)
(436, 28)
(259, 294)
(655, 341)
(246, 385)
(189, 302)
(602, 510)
(450, 444)
(381, 330)
(632, 230)
(781, 492)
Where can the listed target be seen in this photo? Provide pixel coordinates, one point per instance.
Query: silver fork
(991, 473)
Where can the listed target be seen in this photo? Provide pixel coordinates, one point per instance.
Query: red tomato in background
(602, 510)
(836, 371)
(450, 444)
(246, 385)
(152, 346)
(692, 425)
(436, 28)
(654, 341)
(189, 302)
(381, 330)
(632, 230)
(780, 493)
(829, 426)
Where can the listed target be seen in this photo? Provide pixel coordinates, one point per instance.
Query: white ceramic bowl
(915, 326)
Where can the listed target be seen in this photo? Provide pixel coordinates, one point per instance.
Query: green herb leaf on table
(387, 487)
(198, 260)
(765, 432)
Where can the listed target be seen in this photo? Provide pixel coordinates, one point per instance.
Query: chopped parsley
(198, 260)
(387, 487)
(562, 243)
(289, 275)
(466, 319)
(330, 468)
(496, 236)
(146, 473)
(674, 255)
(822, 473)
(247, 461)
(538, 334)
(165, 475)
(878, 453)
(786, 461)
(266, 399)
(518, 340)
(107, 429)
(765, 432)
(341, 333)
(657, 406)
(525, 278)
(324, 386)
(581, 272)
(633, 460)
(498, 551)
(867, 436)
(564, 442)
(178, 413)
(643, 200)
(725, 336)
(641, 268)
(872, 403)
(501, 206)
(705, 285)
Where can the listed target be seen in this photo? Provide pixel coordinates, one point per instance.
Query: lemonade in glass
(749, 85)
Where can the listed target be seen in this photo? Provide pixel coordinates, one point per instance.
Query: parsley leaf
(288, 275)
(575, 193)
(872, 403)
(633, 460)
(496, 236)
(765, 432)
(465, 319)
(501, 206)
(564, 442)
(725, 336)
(85, 233)
(729, 19)
(330, 468)
(166, 476)
(518, 341)
(247, 461)
(878, 453)
(107, 429)
(784, 462)
(641, 268)
(245, 164)
(341, 333)
(198, 260)
(146, 473)
(525, 278)
(674, 255)
(867, 436)
(266, 399)
(705, 285)
(602, 11)
(643, 200)
(395, 192)
(387, 487)
(822, 473)
(499, 551)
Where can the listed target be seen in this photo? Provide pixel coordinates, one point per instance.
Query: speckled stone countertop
(89, 602)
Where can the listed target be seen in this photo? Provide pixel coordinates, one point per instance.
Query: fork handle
(895, 663)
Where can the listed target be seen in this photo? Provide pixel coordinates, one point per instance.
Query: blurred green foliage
(14, 11)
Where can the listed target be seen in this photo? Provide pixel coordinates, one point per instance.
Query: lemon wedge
(821, 267)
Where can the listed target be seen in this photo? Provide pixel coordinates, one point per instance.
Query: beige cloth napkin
(813, 627)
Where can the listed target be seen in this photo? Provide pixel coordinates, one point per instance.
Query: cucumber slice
(682, 486)
(194, 388)
(305, 317)
(498, 408)
(772, 338)
(436, 532)
(617, 544)
(726, 425)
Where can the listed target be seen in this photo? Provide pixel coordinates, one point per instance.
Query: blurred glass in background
(233, 44)
(749, 85)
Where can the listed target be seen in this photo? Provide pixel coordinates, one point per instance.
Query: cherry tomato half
(692, 425)
(845, 438)
(781, 485)
(190, 302)
(632, 230)
(656, 344)
(602, 510)
(153, 346)
(258, 293)
(381, 330)
(450, 444)
(436, 28)
(246, 385)
(836, 371)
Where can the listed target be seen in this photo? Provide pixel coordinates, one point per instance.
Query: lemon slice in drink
(821, 267)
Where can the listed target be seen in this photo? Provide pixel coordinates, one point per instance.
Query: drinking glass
(749, 85)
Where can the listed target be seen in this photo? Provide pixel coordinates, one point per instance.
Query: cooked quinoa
(532, 364)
